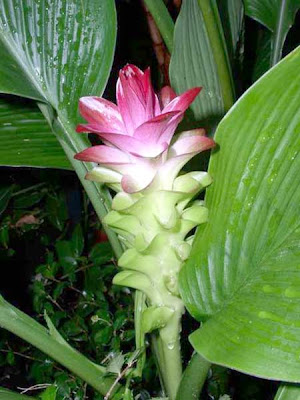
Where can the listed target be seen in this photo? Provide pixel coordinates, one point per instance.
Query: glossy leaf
(288, 392)
(26, 138)
(243, 277)
(200, 58)
(278, 16)
(57, 51)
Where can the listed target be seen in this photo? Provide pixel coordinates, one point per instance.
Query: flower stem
(163, 20)
(168, 354)
(193, 378)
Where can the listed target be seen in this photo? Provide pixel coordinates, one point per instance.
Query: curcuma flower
(138, 149)
(154, 211)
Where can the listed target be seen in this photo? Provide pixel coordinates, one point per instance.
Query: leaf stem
(193, 378)
(215, 32)
(163, 20)
(34, 333)
(99, 196)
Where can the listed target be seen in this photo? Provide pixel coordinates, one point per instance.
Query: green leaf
(278, 16)
(56, 51)
(232, 17)
(116, 364)
(101, 253)
(56, 209)
(8, 395)
(288, 392)
(66, 256)
(27, 200)
(77, 241)
(243, 277)
(200, 58)
(26, 138)
(49, 393)
(263, 60)
(5, 195)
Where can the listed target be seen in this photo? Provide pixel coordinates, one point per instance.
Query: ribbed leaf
(200, 58)
(243, 276)
(56, 51)
(288, 392)
(263, 11)
(278, 16)
(26, 138)
(232, 17)
(263, 60)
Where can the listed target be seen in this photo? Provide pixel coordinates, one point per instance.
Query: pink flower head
(137, 133)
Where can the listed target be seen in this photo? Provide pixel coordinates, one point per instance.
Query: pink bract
(137, 132)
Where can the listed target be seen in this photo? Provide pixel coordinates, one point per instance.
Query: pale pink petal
(183, 150)
(135, 97)
(101, 114)
(159, 129)
(167, 94)
(103, 155)
(189, 142)
(134, 146)
(182, 102)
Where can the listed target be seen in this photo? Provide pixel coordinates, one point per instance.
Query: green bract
(154, 226)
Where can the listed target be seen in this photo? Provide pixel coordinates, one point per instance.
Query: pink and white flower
(137, 151)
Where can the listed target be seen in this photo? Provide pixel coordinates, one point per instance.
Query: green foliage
(288, 392)
(200, 59)
(8, 395)
(73, 285)
(26, 138)
(276, 15)
(56, 51)
(242, 279)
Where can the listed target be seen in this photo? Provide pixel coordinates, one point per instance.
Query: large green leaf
(200, 58)
(243, 277)
(26, 138)
(56, 51)
(278, 16)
